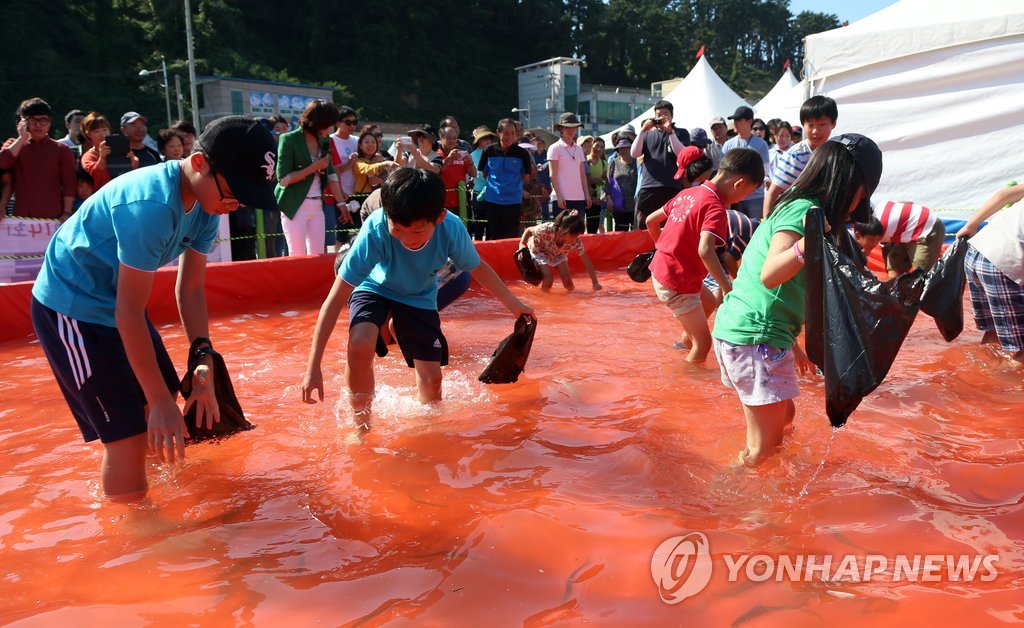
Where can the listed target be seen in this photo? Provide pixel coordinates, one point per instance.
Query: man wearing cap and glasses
(89, 301)
(133, 126)
(745, 138)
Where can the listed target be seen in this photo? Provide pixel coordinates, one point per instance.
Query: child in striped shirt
(818, 116)
(911, 236)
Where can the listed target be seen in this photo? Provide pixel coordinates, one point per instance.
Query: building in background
(605, 108)
(546, 89)
(549, 87)
(221, 96)
(660, 88)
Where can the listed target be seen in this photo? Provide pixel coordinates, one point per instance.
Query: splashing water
(821, 465)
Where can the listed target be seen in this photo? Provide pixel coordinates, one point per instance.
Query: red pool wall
(235, 286)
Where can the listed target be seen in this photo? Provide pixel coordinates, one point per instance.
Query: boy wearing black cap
(89, 301)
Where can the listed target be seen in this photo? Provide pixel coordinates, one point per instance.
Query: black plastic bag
(509, 360)
(527, 267)
(943, 297)
(639, 270)
(232, 419)
(855, 324)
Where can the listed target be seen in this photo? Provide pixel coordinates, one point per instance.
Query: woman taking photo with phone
(303, 169)
(95, 130)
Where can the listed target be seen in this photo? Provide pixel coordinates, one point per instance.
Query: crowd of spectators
(330, 165)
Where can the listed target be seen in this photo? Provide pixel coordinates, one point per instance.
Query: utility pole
(192, 69)
(177, 94)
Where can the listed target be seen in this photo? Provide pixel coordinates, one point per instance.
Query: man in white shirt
(73, 123)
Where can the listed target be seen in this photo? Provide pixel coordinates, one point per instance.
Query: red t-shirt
(677, 264)
(44, 175)
(451, 173)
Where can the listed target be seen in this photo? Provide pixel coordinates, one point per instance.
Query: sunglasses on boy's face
(349, 121)
(228, 201)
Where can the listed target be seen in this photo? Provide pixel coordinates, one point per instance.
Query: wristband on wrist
(796, 251)
(197, 345)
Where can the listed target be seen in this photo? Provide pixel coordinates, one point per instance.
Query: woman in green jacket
(301, 178)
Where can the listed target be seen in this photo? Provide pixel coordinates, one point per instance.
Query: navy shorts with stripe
(92, 370)
(417, 331)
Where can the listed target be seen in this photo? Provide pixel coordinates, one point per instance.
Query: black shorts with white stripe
(93, 373)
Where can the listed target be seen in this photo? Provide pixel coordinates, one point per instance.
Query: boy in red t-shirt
(695, 223)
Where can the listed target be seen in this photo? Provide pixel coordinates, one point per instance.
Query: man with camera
(133, 126)
(658, 143)
(44, 169)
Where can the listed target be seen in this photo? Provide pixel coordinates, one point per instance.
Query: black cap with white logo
(868, 156)
(244, 152)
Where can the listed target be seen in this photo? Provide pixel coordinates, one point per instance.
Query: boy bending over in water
(685, 249)
(392, 269)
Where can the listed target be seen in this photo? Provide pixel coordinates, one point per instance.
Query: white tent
(782, 101)
(701, 96)
(937, 84)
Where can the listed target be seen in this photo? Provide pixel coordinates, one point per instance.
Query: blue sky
(847, 10)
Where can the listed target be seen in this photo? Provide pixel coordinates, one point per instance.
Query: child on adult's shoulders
(391, 270)
(550, 244)
(695, 223)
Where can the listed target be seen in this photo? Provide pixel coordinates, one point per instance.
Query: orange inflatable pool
(540, 502)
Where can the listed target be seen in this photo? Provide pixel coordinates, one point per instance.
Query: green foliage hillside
(398, 60)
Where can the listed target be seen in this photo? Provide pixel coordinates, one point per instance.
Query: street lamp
(525, 110)
(167, 87)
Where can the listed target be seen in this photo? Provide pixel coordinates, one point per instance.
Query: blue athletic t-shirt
(379, 263)
(138, 220)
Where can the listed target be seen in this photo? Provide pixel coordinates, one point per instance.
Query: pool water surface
(539, 502)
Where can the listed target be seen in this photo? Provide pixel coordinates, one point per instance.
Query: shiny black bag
(855, 324)
(527, 267)
(232, 419)
(509, 360)
(639, 270)
(943, 297)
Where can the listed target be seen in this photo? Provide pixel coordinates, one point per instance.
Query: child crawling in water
(550, 244)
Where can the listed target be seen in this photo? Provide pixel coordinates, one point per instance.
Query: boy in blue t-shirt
(89, 301)
(392, 269)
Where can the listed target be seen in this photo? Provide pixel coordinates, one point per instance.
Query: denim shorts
(760, 374)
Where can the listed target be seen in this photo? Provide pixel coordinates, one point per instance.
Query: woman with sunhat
(569, 186)
(482, 138)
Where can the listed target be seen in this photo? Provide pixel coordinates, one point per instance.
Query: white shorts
(760, 374)
(678, 302)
